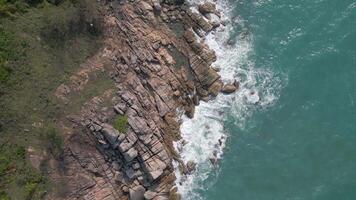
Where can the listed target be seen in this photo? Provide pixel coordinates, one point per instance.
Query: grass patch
(121, 123)
(41, 44)
(14, 170)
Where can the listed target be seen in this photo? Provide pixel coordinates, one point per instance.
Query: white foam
(204, 135)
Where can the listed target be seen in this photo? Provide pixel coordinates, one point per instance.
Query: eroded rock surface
(149, 84)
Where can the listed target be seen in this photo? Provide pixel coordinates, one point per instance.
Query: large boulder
(229, 88)
(110, 134)
(206, 8)
(130, 154)
(137, 193)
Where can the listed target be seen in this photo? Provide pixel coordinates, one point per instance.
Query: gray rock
(162, 108)
(155, 174)
(157, 7)
(120, 108)
(130, 173)
(137, 193)
(124, 146)
(110, 134)
(139, 125)
(150, 194)
(130, 154)
(118, 177)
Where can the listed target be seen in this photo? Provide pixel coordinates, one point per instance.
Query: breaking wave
(204, 137)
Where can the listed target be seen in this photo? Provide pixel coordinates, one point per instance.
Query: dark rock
(196, 100)
(191, 166)
(157, 7)
(174, 2)
(206, 8)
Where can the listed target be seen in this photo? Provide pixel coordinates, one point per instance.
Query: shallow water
(299, 141)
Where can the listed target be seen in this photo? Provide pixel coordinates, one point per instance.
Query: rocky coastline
(155, 54)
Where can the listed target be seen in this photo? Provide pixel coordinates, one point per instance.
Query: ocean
(289, 132)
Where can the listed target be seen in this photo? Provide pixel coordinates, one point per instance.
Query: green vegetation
(14, 169)
(4, 196)
(41, 44)
(120, 123)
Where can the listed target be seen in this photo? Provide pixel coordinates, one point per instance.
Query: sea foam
(204, 137)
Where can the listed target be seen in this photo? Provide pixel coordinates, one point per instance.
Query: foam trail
(204, 136)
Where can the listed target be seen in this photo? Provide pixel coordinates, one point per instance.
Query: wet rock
(214, 161)
(215, 88)
(214, 20)
(191, 166)
(206, 8)
(196, 100)
(228, 88)
(190, 111)
(137, 193)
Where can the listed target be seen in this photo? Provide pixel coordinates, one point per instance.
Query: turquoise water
(304, 146)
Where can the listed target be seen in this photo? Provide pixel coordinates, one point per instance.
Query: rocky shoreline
(161, 68)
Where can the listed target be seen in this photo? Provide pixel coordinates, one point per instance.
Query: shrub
(8, 53)
(120, 123)
(4, 196)
(67, 21)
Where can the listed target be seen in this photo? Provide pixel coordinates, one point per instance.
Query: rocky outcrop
(229, 88)
(143, 56)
